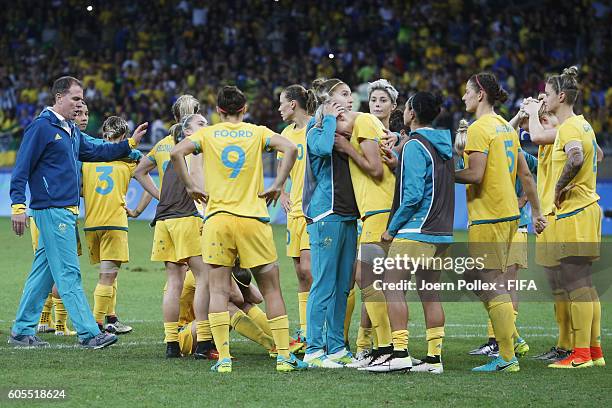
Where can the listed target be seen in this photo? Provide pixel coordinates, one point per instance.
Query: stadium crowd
(136, 59)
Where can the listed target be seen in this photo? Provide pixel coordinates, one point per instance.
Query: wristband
(18, 209)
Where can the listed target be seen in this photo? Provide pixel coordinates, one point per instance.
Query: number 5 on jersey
(232, 157)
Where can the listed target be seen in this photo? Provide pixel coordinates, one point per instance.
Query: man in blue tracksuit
(331, 212)
(47, 162)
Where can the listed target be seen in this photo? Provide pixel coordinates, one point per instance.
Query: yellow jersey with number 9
(298, 137)
(576, 129)
(160, 155)
(494, 199)
(233, 167)
(104, 187)
(373, 197)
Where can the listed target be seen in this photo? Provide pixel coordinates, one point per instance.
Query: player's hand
(522, 201)
(20, 223)
(532, 107)
(388, 157)
(539, 223)
(333, 108)
(560, 194)
(132, 213)
(271, 194)
(390, 139)
(197, 194)
(285, 202)
(341, 143)
(386, 237)
(140, 131)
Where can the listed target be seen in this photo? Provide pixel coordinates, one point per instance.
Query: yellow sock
(186, 313)
(596, 325)
(502, 317)
(113, 305)
(261, 319)
(244, 325)
(280, 334)
(582, 316)
(562, 315)
(364, 339)
(171, 332)
(203, 332)
(60, 312)
(350, 307)
(219, 326)
(490, 331)
(374, 339)
(400, 340)
(48, 304)
(302, 302)
(376, 306)
(102, 299)
(516, 334)
(434, 337)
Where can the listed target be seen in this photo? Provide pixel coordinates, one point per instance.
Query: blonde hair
(115, 128)
(567, 83)
(383, 85)
(323, 89)
(461, 136)
(185, 105)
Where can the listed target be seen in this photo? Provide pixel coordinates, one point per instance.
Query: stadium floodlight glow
(89, 8)
(331, 55)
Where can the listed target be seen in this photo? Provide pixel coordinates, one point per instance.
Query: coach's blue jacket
(48, 158)
(328, 190)
(423, 206)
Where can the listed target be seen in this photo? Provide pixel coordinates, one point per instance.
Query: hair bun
(317, 83)
(571, 71)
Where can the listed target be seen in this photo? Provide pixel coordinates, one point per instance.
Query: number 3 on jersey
(511, 158)
(232, 157)
(105, 178)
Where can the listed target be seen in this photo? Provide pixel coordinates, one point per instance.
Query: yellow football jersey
(104, 187)
(494, 199)
(233, 167)
(372, 196)
(298, 137)
(160, 155)
(546, 184)
(576, 129)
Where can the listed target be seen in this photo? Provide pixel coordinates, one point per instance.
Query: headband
(238, 111)
(335, 85)
(478, 82)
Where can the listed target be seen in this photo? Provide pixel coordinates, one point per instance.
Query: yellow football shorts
(177, 239)
(373, 227)
(426, 253)
(227, 236)
(579, 234)
(518, 249)
(491, 242)
(297, 236)
(547, 246)
(107, 245)
(186, 339)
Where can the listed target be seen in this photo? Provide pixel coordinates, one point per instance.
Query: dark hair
(242, 276)
(396, 120)
(425, 105)
(231, 100)
(63, 84)
(487, 82)
(566, 83)
(305, 98)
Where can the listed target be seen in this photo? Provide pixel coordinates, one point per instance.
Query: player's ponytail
(487, 82)
(461, 137)
(304, 98)
(115, 129)
(176, 131)
(567, 83)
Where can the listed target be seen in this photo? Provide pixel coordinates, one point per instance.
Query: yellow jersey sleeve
(477, 140)
(266, 135)
(197, 138)
(367, 126)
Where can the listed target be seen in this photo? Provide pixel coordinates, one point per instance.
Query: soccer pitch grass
(134, 372)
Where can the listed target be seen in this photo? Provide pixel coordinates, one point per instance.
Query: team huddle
(364, 186)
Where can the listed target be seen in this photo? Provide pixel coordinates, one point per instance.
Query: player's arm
(134, 156)
(575, 160)
(145, 199)
(600, 153)
(235, 295)
(141, 174)
(289, 151)
(529, 187)
(474, 173)
(186, 147)
(32, 147)
(537, 134)
(89, 152)
(284, 196)
(414, 164)
(370, 162)
(196, 170)
(320, 140)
